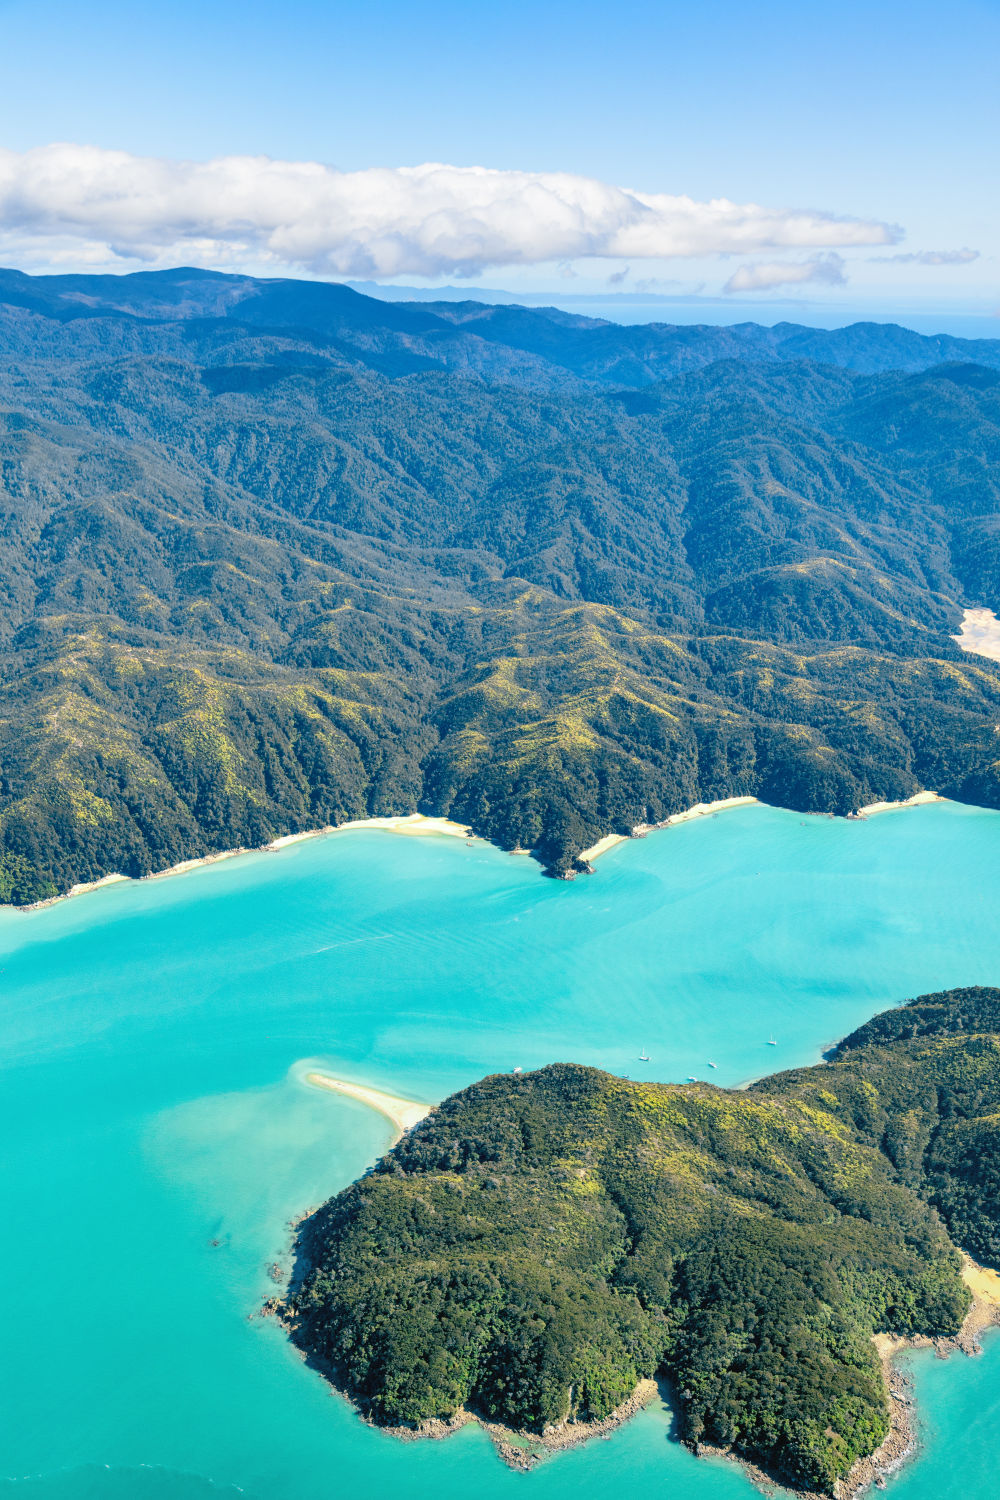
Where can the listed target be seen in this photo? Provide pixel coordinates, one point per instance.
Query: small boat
(518, 1070)
(644, 1055)
(692, 1078)
(713, 1065)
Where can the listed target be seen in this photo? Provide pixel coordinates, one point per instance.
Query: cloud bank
(763, 276)
(64, 201)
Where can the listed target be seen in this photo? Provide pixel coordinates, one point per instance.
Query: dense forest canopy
(541, 1242)
(275, 554)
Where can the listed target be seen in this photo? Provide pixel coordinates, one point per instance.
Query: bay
(158, 1134)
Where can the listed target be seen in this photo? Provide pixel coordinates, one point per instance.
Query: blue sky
(885, 113)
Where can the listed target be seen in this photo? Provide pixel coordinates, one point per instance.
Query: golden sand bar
(980, 633)
(404, 1113)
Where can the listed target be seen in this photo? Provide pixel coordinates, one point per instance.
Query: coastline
(403, 1113)
(901, 1442)
(408, 824)
(424, 824)
(522, 1450)
(699, 810)
(919, 799)
(711, 809)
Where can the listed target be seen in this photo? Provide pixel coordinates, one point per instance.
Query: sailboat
(644, 1055)
(771, 1042)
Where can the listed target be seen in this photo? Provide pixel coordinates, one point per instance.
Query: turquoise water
(153, 1039)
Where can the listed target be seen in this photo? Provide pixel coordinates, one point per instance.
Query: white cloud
(429, 220)
(927, 258)
(763, 276)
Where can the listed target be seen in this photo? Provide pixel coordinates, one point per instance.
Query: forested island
(276, 555)
(542, 1243)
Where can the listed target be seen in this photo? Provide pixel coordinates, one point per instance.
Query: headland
(574, 1235)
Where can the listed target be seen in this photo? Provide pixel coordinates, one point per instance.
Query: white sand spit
(404, 1113)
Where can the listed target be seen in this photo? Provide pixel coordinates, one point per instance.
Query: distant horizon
(624, 308)
(717, 152)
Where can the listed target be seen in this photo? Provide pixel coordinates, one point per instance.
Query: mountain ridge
(259, 577)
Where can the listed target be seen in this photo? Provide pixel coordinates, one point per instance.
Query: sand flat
(980, 633)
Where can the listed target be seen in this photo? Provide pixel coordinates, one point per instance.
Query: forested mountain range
(276, 554)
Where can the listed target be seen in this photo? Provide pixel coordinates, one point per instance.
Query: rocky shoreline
(901, 1441)
(522, 1450)
(519, 1450)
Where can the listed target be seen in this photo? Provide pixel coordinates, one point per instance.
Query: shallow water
(153, 1039)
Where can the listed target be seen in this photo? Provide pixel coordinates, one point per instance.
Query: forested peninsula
(276, 555)
(542, 1243)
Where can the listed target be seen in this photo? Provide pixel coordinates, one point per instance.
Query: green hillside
(540, 1243)
(551, 576)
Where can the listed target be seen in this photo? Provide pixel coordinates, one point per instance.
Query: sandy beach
(980, 633)
(419, 824)
(423, 825)
(413, 823)
(404, 1113)
(919, 799)
(699, 810)
(87, 885)
(984, 1313)
(587, 856)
